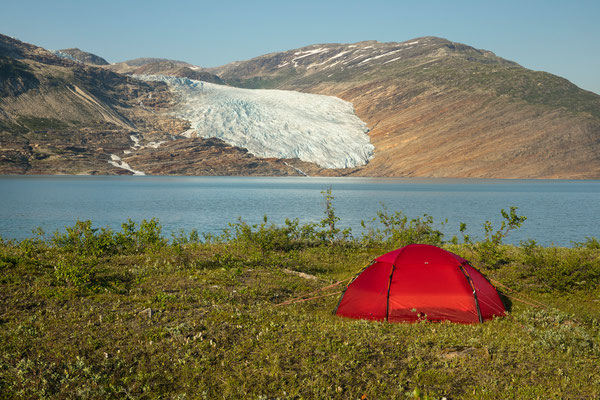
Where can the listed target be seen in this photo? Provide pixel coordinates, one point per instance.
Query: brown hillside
(435, 109)
(443, 109)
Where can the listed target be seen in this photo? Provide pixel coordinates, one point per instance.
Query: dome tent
(419, 282)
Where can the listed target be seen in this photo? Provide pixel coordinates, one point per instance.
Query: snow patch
(274, 123)
(393, 59)
(298, 170)
(65, 56)
(155, 145)
(136, 142)
(340, 54)
(189, 133)
(307, 53)
(331, 65)
(317, 64)
(303, 54)
(352, 59)
(389, 53)
(117, 162)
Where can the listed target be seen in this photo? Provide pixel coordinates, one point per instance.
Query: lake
(558, 212)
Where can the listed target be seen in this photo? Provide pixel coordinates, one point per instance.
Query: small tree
(331, 233)
(489, 249)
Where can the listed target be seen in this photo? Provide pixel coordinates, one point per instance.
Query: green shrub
(563, 268)
(490, 249)
(146, 238)
(181, 238)
(397, 230)
(331, 232)
(556, 330)
(82, 239)
(290, 236)
(75, 271)
(270, 237)
(8, 261)
(591, 243)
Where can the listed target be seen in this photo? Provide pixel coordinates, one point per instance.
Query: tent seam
(350, 283)
(472, 284)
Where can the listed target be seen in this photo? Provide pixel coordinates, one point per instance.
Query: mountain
(432, 108)
(59, 116)
(81, 56)
(161, 66)
(442, 109)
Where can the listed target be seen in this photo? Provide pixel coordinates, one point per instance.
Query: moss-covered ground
(98, 314)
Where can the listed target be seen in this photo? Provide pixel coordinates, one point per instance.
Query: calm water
(558, 212)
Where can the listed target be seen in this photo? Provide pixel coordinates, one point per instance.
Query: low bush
(82, 239)
(562, 268)
(396, 230)
(75, 271)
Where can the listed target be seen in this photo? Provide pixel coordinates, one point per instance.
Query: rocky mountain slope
(82, 56)
(160, 66)
(434, 108)
(58, 116)
(443, 109)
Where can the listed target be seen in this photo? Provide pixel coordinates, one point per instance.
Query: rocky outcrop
(153, 66)
(15, 77)
(197, 156)
(82, 56)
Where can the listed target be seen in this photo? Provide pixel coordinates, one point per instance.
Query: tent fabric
(420, 282)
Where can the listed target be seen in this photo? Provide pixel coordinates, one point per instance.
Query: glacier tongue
(274, 123)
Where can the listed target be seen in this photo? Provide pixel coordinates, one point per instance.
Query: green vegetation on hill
(15, 77)
(38, 124)
(516, 82)
(92, 313)
(11, 69)
(460, 71)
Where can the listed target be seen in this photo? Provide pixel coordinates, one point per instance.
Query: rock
(466, 352)
(146, 313)
(300, 274)
(83, 56)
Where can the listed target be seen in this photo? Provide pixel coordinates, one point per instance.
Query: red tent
(419, 282)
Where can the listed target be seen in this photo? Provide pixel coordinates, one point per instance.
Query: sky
(560, 37)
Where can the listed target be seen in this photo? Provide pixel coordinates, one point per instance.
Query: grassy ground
(98, 314)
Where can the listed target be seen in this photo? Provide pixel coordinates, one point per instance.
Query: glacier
(273, 123)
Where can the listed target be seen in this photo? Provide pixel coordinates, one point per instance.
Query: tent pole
(466, 274)
(387, 305)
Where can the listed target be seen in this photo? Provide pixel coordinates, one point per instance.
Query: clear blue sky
(561, 37)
